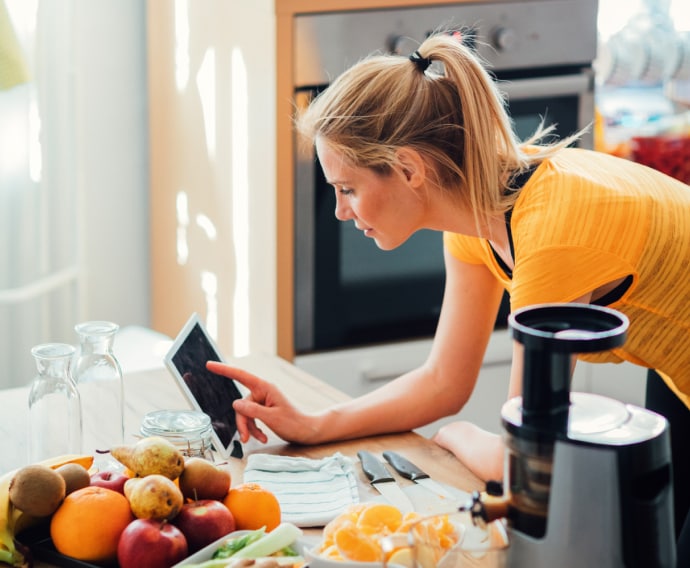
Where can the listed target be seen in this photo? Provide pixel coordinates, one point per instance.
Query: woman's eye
(346, 191)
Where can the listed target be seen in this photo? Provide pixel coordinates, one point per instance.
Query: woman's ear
(411, 165)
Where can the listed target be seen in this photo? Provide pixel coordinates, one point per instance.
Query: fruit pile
(359, 534)
(155, 513)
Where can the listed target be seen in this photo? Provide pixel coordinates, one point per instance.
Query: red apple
(203, 522)
(110, 480)
(154, 544)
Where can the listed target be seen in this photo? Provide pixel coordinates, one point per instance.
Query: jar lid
(192, 424)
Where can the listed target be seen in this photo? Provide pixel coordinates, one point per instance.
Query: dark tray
(39, 542)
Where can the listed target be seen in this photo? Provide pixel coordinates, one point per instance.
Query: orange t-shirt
(585, 219)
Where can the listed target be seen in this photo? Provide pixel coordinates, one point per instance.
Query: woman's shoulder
(575, 161)
(575, 187)
(464, 247)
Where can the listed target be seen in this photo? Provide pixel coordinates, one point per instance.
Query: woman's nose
(342, 210)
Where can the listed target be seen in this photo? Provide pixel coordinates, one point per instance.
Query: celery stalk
(231, 547)
(280, 537)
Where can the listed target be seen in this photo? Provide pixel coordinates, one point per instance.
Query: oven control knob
(504, 39)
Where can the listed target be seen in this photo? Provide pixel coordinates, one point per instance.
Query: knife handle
(373, 468)
(404, 467)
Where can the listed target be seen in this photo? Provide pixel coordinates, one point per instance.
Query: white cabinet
(358, 371)
(625, 382)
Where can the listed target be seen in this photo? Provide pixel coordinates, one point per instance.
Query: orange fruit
(438, 532)
(253, 507)
(88, 524)
(408, 520)
(379, 518)
(349, 516)
(353, 545)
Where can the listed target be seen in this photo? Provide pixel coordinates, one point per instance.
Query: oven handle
(542, 87)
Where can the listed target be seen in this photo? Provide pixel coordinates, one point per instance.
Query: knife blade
(410, 471)
(381, 479)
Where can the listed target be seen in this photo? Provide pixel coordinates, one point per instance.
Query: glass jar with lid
(188, 430)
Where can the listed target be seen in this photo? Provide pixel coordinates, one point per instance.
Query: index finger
(243, 377)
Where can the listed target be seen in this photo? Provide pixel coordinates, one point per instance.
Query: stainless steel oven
(349, 293)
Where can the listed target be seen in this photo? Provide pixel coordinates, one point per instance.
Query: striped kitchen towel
(310, 492)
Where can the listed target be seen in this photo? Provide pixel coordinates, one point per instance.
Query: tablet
(205, 391)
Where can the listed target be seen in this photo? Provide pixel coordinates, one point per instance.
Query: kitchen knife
(382, 480)
(410, 471)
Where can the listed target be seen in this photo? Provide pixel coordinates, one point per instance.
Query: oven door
(350, 293)
(566, 100)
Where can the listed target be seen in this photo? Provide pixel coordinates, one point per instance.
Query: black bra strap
(518, 182)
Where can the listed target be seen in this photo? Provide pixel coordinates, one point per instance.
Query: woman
(407, 149)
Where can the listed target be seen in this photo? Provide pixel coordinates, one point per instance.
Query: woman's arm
(445, 382)
(482, 451)
(438, 388)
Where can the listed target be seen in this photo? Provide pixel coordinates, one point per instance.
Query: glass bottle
(98, 376)
(54, 406)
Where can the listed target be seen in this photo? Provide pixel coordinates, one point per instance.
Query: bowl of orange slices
(372, 535)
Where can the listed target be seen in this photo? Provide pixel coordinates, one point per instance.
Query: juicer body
(609, 497)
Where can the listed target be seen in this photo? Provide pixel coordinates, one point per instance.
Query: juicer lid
(594, 419)
(594, 415)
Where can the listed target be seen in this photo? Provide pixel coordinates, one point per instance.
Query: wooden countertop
(155, 389)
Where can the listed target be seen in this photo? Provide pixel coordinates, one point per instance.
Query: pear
(153, 497)
(202, 479)
(151, 455)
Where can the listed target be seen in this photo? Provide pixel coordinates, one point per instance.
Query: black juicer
(587, 479)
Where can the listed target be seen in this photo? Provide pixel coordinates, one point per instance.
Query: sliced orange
(333, 527)
(379, 519)
(353, 545)
(408, 520)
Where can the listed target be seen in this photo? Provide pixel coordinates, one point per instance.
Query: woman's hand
(266, 403)
(479, 450)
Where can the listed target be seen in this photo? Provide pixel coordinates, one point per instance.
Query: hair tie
(422, 63)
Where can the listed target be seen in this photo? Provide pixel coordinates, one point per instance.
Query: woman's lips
(367, 231)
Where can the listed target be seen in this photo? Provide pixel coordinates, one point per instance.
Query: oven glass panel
(362, 260)
(561, 111)
(364, 295)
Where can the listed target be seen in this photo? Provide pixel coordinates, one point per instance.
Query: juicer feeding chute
(550, 335)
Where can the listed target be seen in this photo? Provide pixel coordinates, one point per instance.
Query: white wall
(213, 180)
(112, 113)
(112, 156)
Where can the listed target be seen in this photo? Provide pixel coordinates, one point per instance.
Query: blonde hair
(456, 119)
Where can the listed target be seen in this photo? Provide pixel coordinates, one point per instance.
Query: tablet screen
(210, 393)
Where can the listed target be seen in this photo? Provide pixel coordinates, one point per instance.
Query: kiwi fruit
(37, 490)
(76, 476)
